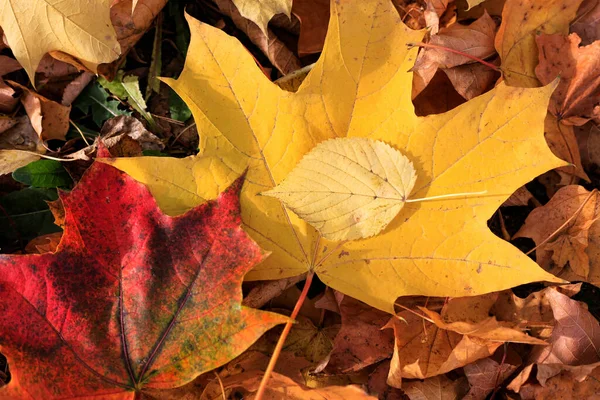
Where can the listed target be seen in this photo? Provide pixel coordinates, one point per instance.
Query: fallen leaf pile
(299, 199)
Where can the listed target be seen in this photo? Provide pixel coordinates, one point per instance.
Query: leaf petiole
(446, 196)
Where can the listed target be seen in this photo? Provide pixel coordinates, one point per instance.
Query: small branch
(460, 53)
(286, 330)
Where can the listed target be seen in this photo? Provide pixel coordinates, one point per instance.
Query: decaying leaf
(437, 387)
(561, 139)
(114, 310)
(314, 18)
(80, 28)
(569, 244)
(576, 99)
(522, 21)
(49, 119)
(261, 11)
(360, 87)
(488, 374)
(586, 22)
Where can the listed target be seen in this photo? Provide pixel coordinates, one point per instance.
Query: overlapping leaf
(360, 87)
(132, 299)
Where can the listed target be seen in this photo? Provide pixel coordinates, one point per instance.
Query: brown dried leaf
(44, 244)
(576, 99)
(8, 65)
(314, 19)
(361, 341)
(487, 374)
(564, 387)
(563, 143)
(280, 56)
(586, 22)
(476, 40)
(570, 243)
(519, 198)
(8, 98)
(471, 80)
(436, 388)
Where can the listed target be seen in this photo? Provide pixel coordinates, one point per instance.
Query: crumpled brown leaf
(570, 243)
(573, 345)
(586, 23)
(361, 341)
(487, 374)
(280, 56)
(476, 40)
(576, 99)
(438, 387)
(563, 143)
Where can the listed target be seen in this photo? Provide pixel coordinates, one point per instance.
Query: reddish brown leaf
(471, 80)
(476, 40)
(132, 299)
(314, 19)
(586, 23)
(576, 99)
(486, 375)
(563, 143)
(436, 388)
(361, 341)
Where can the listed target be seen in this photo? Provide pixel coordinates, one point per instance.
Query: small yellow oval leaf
(348, 188)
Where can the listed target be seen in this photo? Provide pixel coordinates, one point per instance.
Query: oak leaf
(79, 28)
(522, 21)
(360, 87)
(576, 99)
(132, 299)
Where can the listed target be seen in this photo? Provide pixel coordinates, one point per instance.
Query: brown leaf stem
(435, 46)
(286, 330)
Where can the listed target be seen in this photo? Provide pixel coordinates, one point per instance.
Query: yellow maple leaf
(81, 28)
(360, 87)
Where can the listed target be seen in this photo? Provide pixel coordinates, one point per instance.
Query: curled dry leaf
(127, 288)
(570, 243)
(8, 98)
(573, 344)
(438, 387)
(348, 188)
(276, 51)
(522, 21)
(36, 27)
(476, 40)
(359, 87)
(576, 99)
(261, 11)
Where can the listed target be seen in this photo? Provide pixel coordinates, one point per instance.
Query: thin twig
(221, 384)
(414, 312)
(571, 218)
(286, 330)
(80, 132)
(461, 53)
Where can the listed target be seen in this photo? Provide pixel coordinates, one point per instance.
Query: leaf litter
(476, 76)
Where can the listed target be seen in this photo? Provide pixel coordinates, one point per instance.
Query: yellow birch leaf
(261, 11)
(522, 21)
(81, 28)
(348, 188)
(360, 87)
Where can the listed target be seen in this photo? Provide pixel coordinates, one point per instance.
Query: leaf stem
(286, 330)
(446, 196)
(461, 53)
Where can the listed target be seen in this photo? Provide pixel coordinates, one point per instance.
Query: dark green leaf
(95, 98)
(25, 215)
(43, 174)
(179, 110)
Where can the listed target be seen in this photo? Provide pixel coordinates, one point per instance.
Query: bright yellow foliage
(261, 11)
(81, 28)
(348, 188)
(360, 87)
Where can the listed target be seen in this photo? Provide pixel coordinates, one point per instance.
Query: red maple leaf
(132, 300)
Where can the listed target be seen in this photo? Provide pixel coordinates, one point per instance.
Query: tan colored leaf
(519, 198)
(471, 80)
(570, 243)
(81, 28)
(44, 244)
(438, 387)
(261, 11)
(487, 374)
(578, 93)
(522, 21)
(348, 188)
(49, 118)
(8, 98)
(13, 159)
